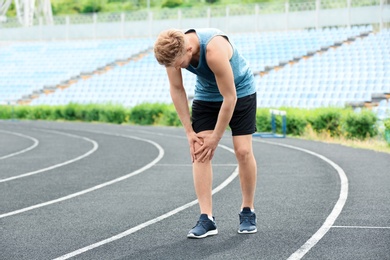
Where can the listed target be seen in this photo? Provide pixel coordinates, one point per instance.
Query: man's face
(183, 61)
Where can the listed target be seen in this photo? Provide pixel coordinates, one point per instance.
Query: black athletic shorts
(243, 122)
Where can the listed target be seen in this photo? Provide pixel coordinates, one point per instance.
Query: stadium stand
(305, 68)
(350, 72)
(30, 69)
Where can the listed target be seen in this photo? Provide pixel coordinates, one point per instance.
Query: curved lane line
(338, 207)
(152, 221)
(36, 142)
(73, 195)
(296, 255)
(95, 147)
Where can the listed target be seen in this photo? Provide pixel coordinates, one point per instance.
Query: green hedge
(263, 120)
(387, 124)
(334, 121)
(327, 120)
(297, 120)
(361, 125)
(144, 114)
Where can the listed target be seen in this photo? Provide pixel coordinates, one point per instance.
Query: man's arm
(179, 97)
(219, 52)
(180, 101)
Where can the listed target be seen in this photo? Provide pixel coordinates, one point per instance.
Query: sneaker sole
(247, 231)
(209, 233)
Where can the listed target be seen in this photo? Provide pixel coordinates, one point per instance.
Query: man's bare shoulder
(218, 42)
(218, 47)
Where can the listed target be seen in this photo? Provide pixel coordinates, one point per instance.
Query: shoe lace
(201, 223)
(248, 218)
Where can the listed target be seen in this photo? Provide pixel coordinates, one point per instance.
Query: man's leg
(203, 180)
(247, 168)
(248, 174)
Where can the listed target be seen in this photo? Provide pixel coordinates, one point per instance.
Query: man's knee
(196, 147)
(243, 153)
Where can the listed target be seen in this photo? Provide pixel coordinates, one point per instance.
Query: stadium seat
(351, 72)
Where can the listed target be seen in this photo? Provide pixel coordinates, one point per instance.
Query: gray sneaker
(203, 228)
(247, 221)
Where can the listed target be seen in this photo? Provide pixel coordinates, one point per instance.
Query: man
(225, 94)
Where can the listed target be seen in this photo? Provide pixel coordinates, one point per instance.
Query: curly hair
(169, 45)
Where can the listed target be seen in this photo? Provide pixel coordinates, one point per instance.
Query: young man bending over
(225, 94)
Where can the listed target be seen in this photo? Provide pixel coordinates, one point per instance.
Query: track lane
(64, 183)
(4, 145)
(168, 239)
(362, 229)
(295, 195)
(84, 207)
(95, 146)
(149, 222)
(101, 243)
(54, 150)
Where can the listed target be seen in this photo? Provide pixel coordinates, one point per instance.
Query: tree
(172, 3)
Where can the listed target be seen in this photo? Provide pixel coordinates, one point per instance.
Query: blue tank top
(206, 88)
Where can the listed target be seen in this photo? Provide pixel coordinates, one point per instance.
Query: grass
(377, 143)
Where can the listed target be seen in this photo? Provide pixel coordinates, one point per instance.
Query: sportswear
(203, 228)
(206, 88)
(247, 221)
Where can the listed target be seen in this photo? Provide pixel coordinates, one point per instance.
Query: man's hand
(207, 150)
(192, 139)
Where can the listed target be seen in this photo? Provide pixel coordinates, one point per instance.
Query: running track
(100, 191)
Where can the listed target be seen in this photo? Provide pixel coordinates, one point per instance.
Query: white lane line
(73, 195)
(360, 227)
(153, 133)
(190, 165)
(94, 148)
(336, 209)
(35, 144)
(152, 221)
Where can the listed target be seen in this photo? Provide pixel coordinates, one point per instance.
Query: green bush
(66, 7)
(5, 112)
(56, 113)
(40, 112)
(387, 130)
(361, 125)
(296, 121)
(69, 112)
(118, 6)
(172, 3)
(327, 120)
(154, 114)
(387, 124)
(263, 120)
(169, 117)
(92, 6)
(335, 121)
(146, 114)
(113, 114)
(21, 112)
(91, 112)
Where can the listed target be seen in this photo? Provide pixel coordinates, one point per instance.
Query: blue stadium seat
(351, 72)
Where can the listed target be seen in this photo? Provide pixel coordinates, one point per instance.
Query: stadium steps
(309, 54)
(376, 98)
(47, 90)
